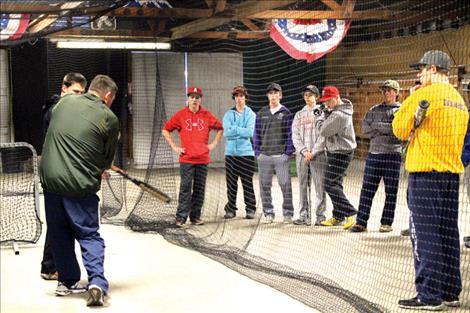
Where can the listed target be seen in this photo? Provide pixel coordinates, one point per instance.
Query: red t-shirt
(194, 131)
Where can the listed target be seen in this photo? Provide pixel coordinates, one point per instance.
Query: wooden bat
(153, 191)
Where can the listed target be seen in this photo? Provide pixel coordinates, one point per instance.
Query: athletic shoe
(269, 219)
(250, 215)
(96, 297)
(452, 303)
(303, 221)
(349, 222)
(197, 222)
(63, 290)
(179, 223)
(405, 232)
(229, 215)
(331, 222)
(50, 276)
(288, 219)
(358, 229)
(416, 304)
(385, 228)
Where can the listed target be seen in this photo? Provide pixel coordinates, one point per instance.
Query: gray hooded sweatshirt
(377, 125)
(337, 128)
(305, 137)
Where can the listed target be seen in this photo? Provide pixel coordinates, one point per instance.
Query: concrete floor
(146, 274)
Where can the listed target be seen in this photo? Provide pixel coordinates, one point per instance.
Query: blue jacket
(466, 146)
(238, 130)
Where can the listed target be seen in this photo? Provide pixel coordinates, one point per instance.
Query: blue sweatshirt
(238, 131)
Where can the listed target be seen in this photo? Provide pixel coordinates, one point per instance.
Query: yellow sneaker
(349, 222)
(331, 222)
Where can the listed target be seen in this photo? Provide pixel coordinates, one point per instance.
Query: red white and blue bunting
(13, 26)
(308, 39)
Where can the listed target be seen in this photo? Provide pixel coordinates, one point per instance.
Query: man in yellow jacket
(434, 120)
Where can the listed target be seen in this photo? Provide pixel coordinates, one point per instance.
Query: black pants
(337, 163)
(48, 263)
(192, 189)
(243, 167)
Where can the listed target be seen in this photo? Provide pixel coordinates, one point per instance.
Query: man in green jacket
(79, 147)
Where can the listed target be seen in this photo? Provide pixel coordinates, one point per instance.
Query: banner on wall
(13, 26)
(308, 39)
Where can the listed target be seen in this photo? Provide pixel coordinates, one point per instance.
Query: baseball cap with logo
(391, 84)
(194, 90)
(239, 90)
(274, 86)
(313, 89)
(434, 57)
(329, 92)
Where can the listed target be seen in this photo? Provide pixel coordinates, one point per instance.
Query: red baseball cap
(194, 90)
(328, 93)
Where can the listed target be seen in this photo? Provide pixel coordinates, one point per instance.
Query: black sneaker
(228, 215)
(303, 221)
(466, 240)
(250, 215)
(452, 302)
(416, 304)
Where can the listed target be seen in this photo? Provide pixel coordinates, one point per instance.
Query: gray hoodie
(304, 134)
(337, 127)
(377, 125)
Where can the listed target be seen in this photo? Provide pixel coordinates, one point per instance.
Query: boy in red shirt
(193, 123)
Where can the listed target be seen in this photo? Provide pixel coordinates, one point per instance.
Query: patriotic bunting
(13, 26)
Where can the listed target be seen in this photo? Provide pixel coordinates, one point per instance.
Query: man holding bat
(437, 115)
(193, 123)
(79, 146)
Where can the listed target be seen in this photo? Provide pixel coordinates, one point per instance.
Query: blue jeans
(433, 199)
(378, 166)
(192, 190)
(70, 219)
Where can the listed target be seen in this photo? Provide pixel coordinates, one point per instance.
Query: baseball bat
(153, 191)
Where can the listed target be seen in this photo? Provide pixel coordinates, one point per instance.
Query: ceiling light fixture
(127, 45)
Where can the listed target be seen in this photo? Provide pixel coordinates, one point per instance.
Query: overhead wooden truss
(254, 15)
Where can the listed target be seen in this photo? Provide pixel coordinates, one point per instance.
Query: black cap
(313, 89)
(274, 86)
(434, 57)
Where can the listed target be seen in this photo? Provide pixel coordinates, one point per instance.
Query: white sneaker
(63, 290)
(96, 297)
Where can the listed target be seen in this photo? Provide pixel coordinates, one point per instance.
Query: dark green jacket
(79, 145)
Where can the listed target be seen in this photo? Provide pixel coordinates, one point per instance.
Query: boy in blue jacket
(239, 124)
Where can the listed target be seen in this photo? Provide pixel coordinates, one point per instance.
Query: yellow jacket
(437, 143)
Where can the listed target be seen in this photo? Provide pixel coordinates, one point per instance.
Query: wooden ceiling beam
(227, 35)
(47, 21)
(240, 11)
(332, 4)
(161, 12)
(251, 26)
(348, 8)
(339, 15)
(220, 6)
(127, 34)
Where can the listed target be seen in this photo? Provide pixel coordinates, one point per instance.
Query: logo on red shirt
(199, 124)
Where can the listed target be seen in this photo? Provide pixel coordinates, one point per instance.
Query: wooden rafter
(45, 21)
(240, 11)
(339, 15)
(251, 26)
(220, 6)
(348, 8)
(332, 4)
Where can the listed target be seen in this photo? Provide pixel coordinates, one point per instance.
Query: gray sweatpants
(316, 167)
(268, 165)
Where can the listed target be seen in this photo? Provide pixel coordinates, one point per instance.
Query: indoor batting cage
(319, 147)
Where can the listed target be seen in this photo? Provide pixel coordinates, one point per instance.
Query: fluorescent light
(129, 45)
